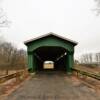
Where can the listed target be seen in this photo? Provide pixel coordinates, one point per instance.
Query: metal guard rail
(93, 75)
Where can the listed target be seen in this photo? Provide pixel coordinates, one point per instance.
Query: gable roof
(51, 34)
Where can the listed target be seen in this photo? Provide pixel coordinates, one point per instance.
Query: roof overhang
(50, 34)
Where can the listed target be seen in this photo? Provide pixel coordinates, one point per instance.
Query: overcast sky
(73, 19)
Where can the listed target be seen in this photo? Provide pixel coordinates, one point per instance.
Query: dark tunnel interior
(51, 53)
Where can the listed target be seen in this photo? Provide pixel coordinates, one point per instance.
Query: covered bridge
(50, 47)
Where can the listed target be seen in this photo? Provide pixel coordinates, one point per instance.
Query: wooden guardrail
(16, 75)
(85, 73)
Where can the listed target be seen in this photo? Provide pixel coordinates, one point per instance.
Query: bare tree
(97, 9)
(11, 57)
(87, 58)
(18, 59)
(76, 61)
(83, 59)
(21, 55)
(90, 57)
(4, 22)
(3, 19)
(97, 58)
(6, 50)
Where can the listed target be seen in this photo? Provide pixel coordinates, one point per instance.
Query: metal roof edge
(50, 33)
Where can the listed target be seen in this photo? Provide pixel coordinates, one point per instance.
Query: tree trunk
(7, 72)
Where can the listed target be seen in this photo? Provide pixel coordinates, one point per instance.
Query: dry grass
(95, 70)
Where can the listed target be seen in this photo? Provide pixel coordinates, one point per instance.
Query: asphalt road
(53, 86)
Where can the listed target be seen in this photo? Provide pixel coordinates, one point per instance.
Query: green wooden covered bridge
(50, 47)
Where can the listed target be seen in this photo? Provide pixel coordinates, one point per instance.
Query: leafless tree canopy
(3, 19)
(11, 57)
(87, 58)
(97, 57)
(97, 6)
(90, 58)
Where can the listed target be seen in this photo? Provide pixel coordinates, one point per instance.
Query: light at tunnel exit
(48, 65)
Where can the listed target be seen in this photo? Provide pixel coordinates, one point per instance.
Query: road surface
(53, 86)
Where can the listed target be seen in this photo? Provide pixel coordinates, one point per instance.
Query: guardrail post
(17, 77)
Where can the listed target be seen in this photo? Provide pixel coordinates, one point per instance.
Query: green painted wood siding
(50, 41)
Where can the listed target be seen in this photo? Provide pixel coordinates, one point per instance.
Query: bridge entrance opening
(50, 58)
